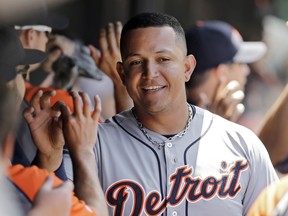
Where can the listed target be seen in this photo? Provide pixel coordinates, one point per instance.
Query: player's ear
(120, 70)
(190, 64)
(27, 36)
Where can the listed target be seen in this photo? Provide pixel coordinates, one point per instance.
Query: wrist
(50, 162)
(80, 153)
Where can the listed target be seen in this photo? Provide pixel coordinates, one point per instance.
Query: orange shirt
(61, 95)
(30, 179)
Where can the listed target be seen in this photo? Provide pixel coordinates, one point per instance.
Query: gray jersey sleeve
(262, 172)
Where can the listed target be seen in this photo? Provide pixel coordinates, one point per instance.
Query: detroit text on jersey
(184, 186)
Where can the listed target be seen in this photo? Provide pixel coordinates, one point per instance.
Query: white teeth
(152, 87)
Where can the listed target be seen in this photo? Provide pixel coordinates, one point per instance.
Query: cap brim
(250, 52)
(7, 73)
(32, 56)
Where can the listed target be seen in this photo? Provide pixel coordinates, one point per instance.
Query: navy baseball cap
(13, 54)
(216, 42)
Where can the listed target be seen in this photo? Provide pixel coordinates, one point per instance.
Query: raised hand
(106, 59)
(109, 54)
(80, 127)
(227, 101)
(80, 133)
(46, 130)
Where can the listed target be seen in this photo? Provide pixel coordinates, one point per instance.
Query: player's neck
(167, 122)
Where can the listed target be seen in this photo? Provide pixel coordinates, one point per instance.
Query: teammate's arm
(45, 128)
(51, 201)
(80, 133)
(273, 130)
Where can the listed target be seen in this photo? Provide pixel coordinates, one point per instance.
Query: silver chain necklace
(170, 139)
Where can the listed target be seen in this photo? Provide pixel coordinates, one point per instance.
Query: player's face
(155, 68)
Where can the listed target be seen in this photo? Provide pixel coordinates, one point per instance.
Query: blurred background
(255, 19)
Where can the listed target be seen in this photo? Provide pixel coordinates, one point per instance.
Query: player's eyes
(135, 62)
(164, 59)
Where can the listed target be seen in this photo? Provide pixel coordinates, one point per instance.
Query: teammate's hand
(106, 59)
(109, 54)
(227, 101)
(80, 127)
(46, 130)
(53, 201)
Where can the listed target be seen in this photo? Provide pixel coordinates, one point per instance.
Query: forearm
(274, 129)
(87, 185)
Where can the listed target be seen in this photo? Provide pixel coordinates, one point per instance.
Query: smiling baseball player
(164, 156)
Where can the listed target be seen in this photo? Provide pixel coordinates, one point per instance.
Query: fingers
(111, 37)
(65, 112)
(103, 43)
(41, 100)
(35, 101)
(56, 109)
(118, 30)
(229, 106)
(231, 88)
(95, 54)
(225, 92)
(45, 99)
(82, 104)
(77, 103)
(28, 114)
(232, 95)
(238, 111)
(86, 104)
(97, 108)
(230, 101)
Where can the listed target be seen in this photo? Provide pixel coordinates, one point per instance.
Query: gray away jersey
(216, 168)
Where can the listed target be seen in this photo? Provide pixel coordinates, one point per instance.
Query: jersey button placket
(173, 159)
(174, 213)
(169, 145)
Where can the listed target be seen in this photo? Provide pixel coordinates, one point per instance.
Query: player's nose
(150, 70)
